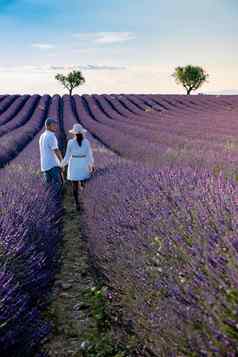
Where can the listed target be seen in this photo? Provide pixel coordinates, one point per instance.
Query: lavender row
(145, 133)
(209, 102)
(71, 117)
(2, 96)
(13, 109)
(191, 149)
(137, 104)
(160, 132)
(169, 250)
(190, 122)
(56, 111)
(194, 121)
(12, 143)
(30, 235)
(6, 102)
(18, 114)
(119, 142)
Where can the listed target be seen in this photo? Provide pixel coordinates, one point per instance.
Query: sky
(121, 46)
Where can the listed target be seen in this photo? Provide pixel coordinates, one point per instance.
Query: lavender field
(160, 217)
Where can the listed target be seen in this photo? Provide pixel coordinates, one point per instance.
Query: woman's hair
(79, 138)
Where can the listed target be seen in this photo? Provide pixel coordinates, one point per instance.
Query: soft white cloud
(51, 68)
(105, 37)
(102, 67)
(43, 46)
(86, 67)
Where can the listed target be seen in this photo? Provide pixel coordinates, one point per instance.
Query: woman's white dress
(79, 160)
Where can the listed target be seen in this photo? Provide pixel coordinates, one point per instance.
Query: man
(50, 155)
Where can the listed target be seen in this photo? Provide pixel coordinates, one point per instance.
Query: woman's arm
(67, 155)
(90, 154)
(90, 157)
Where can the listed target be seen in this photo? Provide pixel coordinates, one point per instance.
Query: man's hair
(50, 121)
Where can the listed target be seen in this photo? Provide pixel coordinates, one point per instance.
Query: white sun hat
(77, 129)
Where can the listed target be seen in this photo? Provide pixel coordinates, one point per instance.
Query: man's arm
(58, 154)
(55, 148)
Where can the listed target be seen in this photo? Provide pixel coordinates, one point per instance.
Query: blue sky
(133, 45)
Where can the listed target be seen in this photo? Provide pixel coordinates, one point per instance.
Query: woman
(79, 158)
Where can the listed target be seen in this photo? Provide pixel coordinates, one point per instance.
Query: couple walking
(78, 157)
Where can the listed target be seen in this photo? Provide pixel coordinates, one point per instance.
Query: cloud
(52, 68)
(101, 67)
(105, 37)
(43, 46)
(86, 67)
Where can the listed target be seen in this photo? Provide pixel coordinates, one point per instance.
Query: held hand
(62, 176)
(91, 168)
(62, 168)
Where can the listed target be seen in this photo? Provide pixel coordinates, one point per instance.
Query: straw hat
(77, 129)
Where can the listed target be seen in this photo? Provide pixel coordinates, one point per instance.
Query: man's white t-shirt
(48, 143)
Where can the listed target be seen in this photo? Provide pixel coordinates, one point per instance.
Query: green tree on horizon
(71, 81)
(191, 77)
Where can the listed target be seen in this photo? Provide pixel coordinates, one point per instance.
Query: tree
(191, 77)
(71, 81)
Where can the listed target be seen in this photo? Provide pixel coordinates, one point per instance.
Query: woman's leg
(75, 192)
(84, 182)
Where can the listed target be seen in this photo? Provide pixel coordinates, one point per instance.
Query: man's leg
(56, 178)
(47, 178)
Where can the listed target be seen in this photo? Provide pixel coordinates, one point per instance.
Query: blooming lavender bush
(30, 235)
(13, 109)
(14, 141)
(166, 241)
(181, 140)
(6, 102)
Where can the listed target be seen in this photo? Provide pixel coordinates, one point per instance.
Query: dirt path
(68, 311)
(83, 325)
